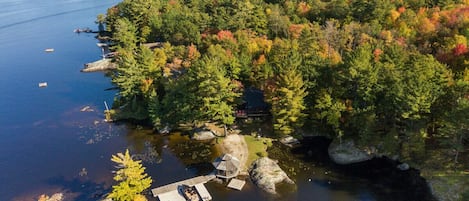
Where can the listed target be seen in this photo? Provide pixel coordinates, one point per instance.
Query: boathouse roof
(227, 166)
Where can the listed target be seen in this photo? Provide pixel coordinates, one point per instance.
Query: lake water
(49, 145)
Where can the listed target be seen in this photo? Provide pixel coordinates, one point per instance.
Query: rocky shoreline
(382, 170)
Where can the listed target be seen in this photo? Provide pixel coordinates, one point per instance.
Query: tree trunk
(459, 142)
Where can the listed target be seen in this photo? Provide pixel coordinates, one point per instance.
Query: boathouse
(227, 166)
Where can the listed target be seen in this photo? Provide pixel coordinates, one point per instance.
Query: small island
(381, 79)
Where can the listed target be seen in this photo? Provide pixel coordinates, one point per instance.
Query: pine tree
(131, 177)
(215, 93)
(125, 34)
(287, 97)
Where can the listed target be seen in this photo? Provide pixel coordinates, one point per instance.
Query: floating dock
(236, 184)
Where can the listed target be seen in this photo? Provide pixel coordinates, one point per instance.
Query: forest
(393, 74)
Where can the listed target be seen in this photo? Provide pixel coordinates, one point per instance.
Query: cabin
(227, 166)
(253, 104)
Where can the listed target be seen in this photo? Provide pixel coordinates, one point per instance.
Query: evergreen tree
(137, 77)
(178, 105)
(131, 177)
(125, 34)
(361, 82)
(329, 111)
(454, 114)
(286, 96)
(215, 93)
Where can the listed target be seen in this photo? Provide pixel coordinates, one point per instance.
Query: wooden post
(107, 113)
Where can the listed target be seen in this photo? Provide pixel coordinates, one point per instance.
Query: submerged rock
(165, 130)
(54, 197)
(403, 166)
(347, 153)
(266, 173)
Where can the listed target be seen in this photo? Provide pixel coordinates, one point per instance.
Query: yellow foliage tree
(131, 177)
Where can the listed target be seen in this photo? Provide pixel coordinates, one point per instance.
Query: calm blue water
(48, 145)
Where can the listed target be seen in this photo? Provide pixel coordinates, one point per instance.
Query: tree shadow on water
(80, 189)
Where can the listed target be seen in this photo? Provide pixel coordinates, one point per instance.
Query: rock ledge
(266, 173)
(348, 153)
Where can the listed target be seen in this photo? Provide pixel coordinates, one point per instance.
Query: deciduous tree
(131, 177)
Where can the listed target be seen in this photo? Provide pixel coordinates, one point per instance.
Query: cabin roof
(254, 98)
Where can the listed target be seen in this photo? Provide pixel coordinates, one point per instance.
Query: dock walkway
(171, 190)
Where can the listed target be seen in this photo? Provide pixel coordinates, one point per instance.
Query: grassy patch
(257, 147)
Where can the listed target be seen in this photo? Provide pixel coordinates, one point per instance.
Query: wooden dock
(170, 191)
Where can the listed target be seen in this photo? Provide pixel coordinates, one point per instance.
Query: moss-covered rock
(266, 173)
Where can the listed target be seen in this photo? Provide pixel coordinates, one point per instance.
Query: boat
(49, 50)
(102, 45)
(42, 84)
(190, 193)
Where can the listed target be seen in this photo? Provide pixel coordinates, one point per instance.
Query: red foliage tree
(460, 49)
(225, 35)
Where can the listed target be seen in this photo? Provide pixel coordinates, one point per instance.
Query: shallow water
(49, 145)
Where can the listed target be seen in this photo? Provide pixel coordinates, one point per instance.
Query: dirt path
(235, 145)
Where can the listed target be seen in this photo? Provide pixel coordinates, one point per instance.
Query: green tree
(287, 95)
(125, 35)
(329, 111)
(137, 77)
(423, 83)
(139, 13)
(454, 116)
(215, 93)
(178, 104)
(131, 177)
(181, 25)
(100, 20)
(361, 82)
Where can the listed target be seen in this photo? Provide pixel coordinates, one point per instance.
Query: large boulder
(347, 153)
(203, 135)
(266, 173)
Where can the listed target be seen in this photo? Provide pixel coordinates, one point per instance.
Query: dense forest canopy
(369, 70)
